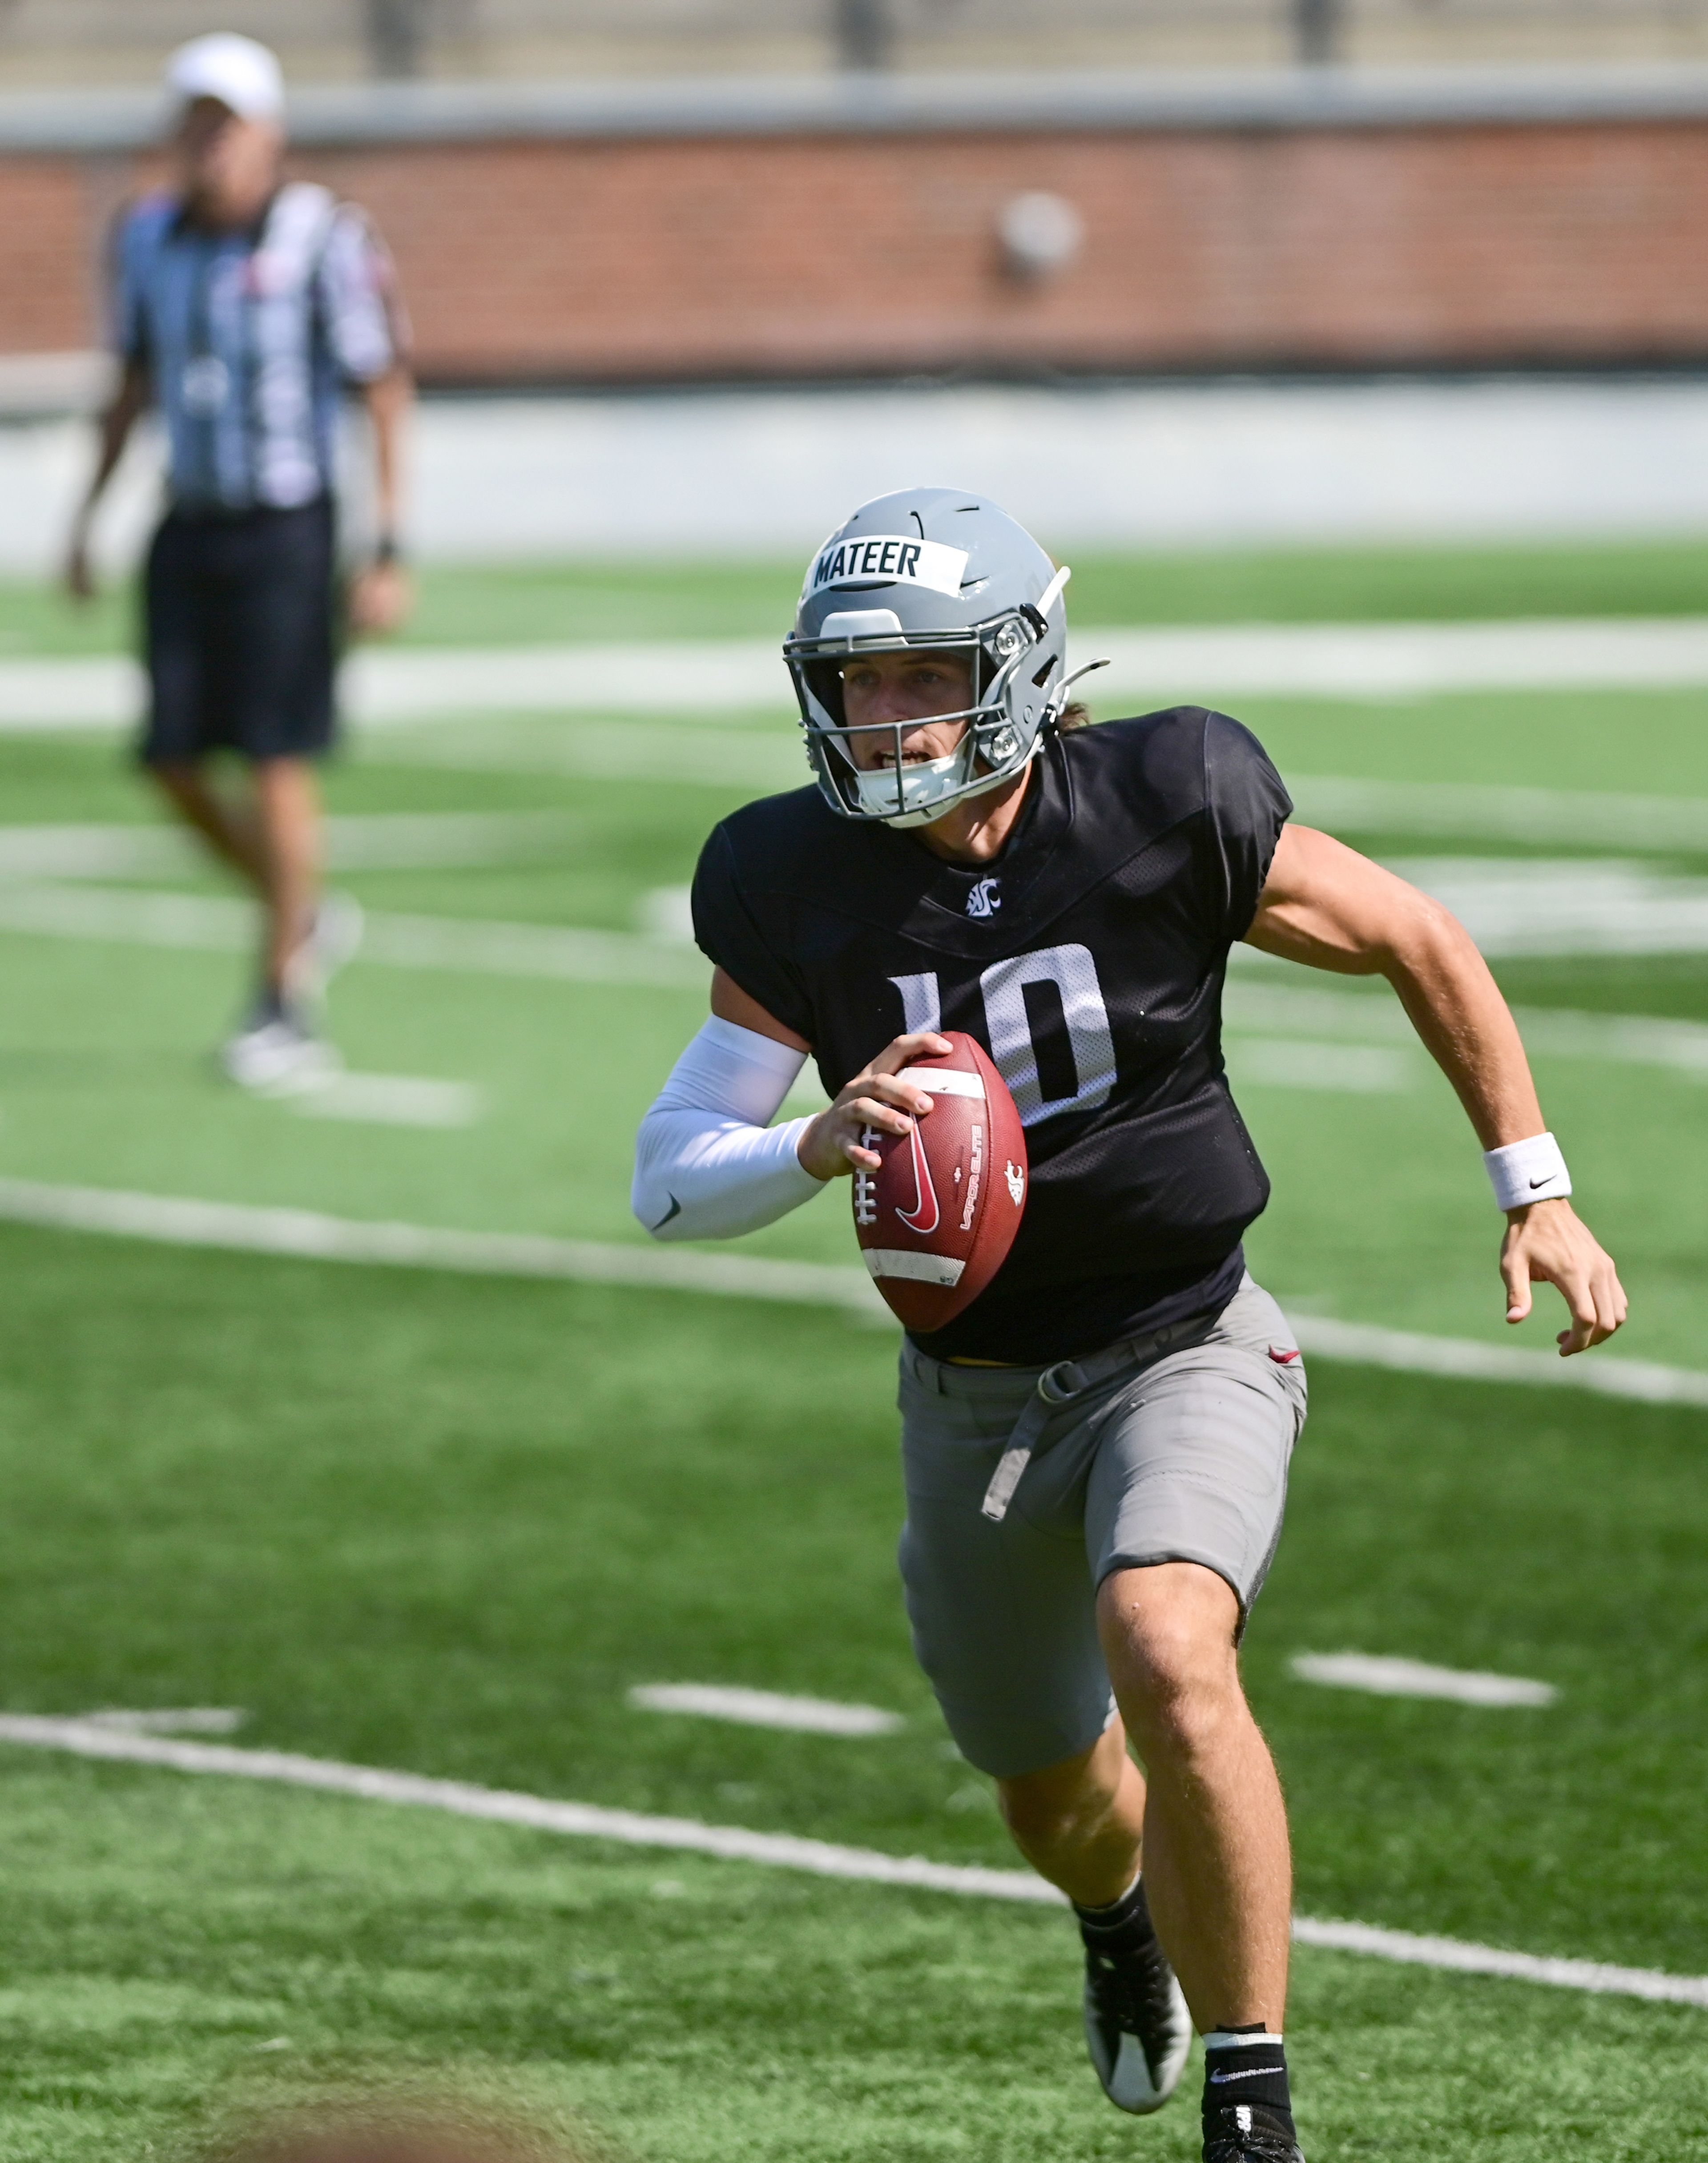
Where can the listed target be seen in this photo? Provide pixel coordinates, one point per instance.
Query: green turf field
(443, 1523)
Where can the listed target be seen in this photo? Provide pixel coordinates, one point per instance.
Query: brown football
(936, 1219)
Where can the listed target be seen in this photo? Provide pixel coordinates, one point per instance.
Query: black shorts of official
(240, 634)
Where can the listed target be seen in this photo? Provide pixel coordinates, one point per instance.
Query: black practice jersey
(1088, 958)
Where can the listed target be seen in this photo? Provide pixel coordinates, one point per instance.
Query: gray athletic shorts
(1181, 1456)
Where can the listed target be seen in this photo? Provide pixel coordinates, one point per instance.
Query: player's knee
(1060, 1807)
(1187, 1721)
(1170, 1634)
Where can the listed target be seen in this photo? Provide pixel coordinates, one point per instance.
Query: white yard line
(571, 956)
(1390, 1677)
(760, 761)
(1455, 1954)
(388, 1100)
(186, 1719)
(666, 912)
(1566, 905)
(88, 1738)
(1152, 666)
(407, 841)
(48, 696)
(1396, 660)
(756, 1708)
(1256, 1001)
(692, 676)
(1295, 1063)
(1476, 811)
(389, 840)
(1631, 1040)
(143, 917)
(90, 851)
(1463, 1358)
(309, 1235)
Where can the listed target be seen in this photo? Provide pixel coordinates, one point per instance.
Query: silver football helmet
(939, 570)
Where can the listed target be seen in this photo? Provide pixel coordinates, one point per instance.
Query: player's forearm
(1326, 906)
(114, 428)
(698, 1176)
(389, 399)
(1456, 1007)
(708, 1165)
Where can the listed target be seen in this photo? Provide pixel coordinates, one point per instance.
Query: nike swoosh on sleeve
(674, 1210)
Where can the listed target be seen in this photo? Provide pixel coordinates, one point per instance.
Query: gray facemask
(939, 571)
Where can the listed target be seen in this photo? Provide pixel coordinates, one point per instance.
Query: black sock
(1248, 2065)
(1123, 1921)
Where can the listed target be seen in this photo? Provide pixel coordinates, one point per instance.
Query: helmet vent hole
(1038, 678)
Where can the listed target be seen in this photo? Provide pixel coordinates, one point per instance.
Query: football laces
(865, 1184)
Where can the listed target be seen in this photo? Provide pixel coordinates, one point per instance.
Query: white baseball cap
(238, 71)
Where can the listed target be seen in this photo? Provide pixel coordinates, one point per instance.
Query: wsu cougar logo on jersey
(984, 900)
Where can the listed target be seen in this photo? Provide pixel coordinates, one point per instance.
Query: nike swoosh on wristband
(674, 1210)
(1535, 1183)
(1251, 2073)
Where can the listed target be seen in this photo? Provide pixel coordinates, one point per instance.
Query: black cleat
(1247, 2133)
(1137, 2027)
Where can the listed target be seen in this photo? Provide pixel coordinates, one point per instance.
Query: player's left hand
(1548, 1243)
(382, 597)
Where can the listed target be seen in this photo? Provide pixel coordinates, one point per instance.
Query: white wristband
(1528, 1171)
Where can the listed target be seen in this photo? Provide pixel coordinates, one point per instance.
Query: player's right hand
(1548, 1243)
(380, 599)
(830, 1147)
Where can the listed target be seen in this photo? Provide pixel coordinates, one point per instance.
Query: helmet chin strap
(935, 806)
(905, 795)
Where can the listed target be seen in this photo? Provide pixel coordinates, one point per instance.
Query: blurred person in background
(244, 305)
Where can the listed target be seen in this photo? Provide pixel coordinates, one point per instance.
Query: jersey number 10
(1048, 1026)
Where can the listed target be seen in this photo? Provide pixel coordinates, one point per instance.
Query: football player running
(971, 860)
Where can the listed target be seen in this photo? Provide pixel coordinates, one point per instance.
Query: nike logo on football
(674, 1210)
(922, 1218)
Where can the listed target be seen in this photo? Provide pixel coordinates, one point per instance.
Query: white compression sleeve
(707, 1166)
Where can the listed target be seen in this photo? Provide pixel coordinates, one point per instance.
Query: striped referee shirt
(249, 338)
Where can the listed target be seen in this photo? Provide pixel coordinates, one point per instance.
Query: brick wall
(47, 290)
(589, 260)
